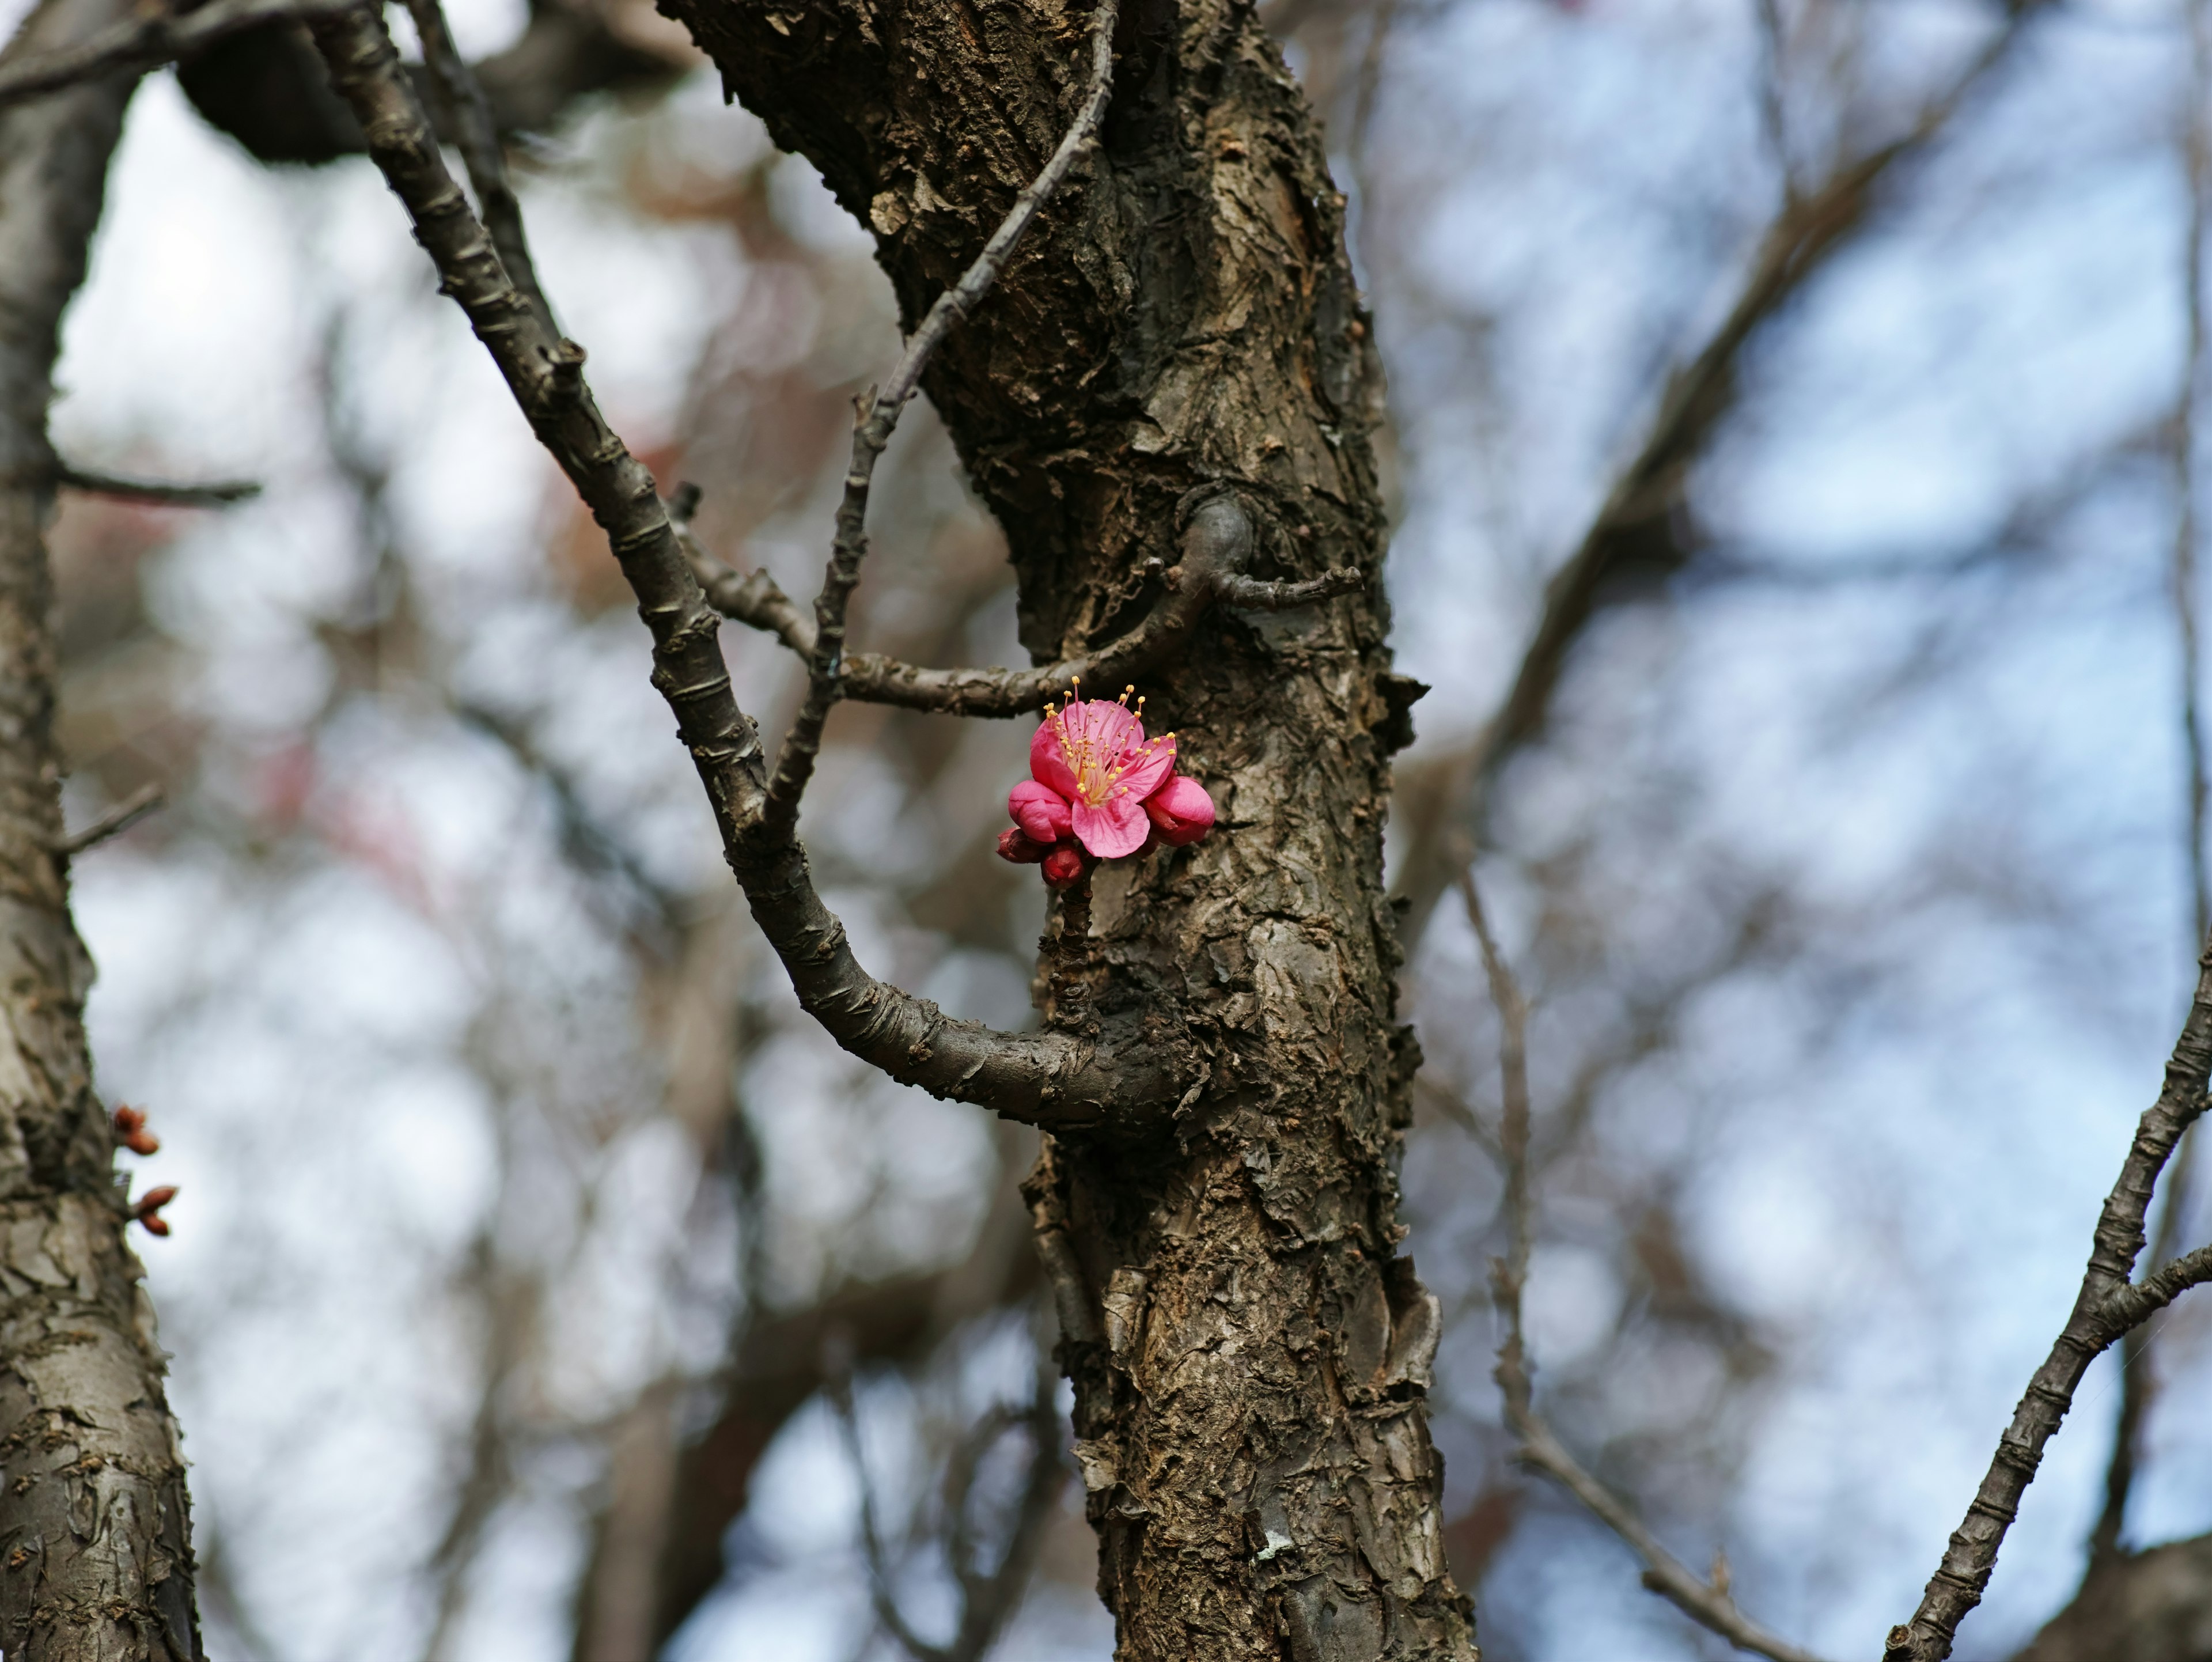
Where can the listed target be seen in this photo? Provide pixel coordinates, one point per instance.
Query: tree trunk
(95, 1554)
(1249, 1355)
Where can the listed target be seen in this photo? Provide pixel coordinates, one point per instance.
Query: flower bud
(1181, 811)
(1022, 850)
(1063, 865)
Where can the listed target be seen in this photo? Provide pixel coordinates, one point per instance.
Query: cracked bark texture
(95, 1557)
(1250, 1354)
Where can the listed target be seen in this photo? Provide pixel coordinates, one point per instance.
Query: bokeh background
(528, 1232)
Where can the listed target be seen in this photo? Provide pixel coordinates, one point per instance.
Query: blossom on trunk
(1098, 785)
(1181, 811)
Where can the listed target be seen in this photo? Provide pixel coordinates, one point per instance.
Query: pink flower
(1181, 811)
(1096, 780)
(1090, 762)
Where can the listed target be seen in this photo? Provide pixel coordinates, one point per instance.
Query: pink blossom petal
(1049, 763)
(1181, 810)
(1148, 766)
(1110, 727)
(1115, 828)
(1039, 810)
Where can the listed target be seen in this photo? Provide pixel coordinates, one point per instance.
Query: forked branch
(794, 766)
(2109, 1306)
(1706, 1602)
(1216, 544)
(1054, 1079)
(468, 117)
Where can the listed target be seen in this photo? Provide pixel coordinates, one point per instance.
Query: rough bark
(1249, 1353)
(96, 1554)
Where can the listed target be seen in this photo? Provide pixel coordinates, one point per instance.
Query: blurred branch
(146, 41)
(987, 1598)
(220, 494)
(2138, 1367)
(509, 1306)
(1707, 1603)
(2106, 1308)
(146, 800)
(1216, 542)
(1637, 528)
(1056, 1079)
(466, 113)
(794, 765)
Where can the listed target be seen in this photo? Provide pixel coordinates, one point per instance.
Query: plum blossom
(1099, 788)
(1179, 809)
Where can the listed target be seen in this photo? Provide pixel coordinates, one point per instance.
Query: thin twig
(460, 99)
(2106, 1309)
(1123, 1079)
(2138, 1367)
(220, 493)
(113, 823)
(1707, 1603)
(144, 42)
(1215, 545)
(873, 431)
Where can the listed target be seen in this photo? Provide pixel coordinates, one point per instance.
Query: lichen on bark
(1249, 1352)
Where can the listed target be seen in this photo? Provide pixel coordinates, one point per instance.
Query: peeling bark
(96, 1554)
(1249, 1353)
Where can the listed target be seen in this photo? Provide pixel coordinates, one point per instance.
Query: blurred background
(1808, 381)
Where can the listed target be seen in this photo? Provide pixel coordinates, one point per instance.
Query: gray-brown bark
(1249, 1355)
(95, 1555)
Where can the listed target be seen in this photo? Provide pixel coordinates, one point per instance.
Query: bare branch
(1707, 1603)
(2138, 1367)
(219, 494)
(2106, 1308)
(794, 765)
(113, 823)
(1216, 544)
(468, 116)
(146, 41)
(1123, 1078)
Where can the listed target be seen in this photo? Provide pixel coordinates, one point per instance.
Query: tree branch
(1216, 543)
(1123, 1079)
(2139, 1368)
(467, 114)
(118, 820)
(144, 42)
(1707, 1603)
(795, 763)
(221, 493)
(2106, 1307)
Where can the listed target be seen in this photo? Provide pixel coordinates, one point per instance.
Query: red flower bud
(1063, 865)
(147, 1211)
(1022, 850)
(131, 1131)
